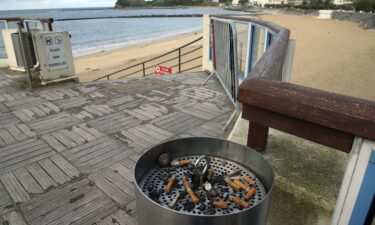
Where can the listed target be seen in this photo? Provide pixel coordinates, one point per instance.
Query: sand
(336, 56)
(96, 65)
(331, 55)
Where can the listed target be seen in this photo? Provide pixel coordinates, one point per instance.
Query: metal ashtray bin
(199, 185)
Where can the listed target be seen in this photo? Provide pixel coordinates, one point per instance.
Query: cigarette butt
(174, 201)
(238, 201)
(242, 185)
(184, 162)
(192, 195)
(250, 193)
(231, 183)
(210, 173)
(170, 184)
(221, 205)
(249, 180)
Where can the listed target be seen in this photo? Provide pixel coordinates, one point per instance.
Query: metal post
(25, 59)
(144, 69)
(179, 60)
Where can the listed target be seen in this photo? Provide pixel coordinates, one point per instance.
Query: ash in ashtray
(204, 185)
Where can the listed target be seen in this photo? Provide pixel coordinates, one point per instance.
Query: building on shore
(292, 2)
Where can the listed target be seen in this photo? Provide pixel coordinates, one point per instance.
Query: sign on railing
(162, 70)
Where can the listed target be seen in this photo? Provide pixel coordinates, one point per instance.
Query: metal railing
(178, 59)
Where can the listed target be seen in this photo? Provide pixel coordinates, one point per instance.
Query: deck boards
(67, 151)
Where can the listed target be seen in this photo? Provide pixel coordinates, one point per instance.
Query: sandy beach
(336, 56)
(96, 65)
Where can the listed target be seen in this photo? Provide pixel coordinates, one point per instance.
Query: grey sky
(43, 4)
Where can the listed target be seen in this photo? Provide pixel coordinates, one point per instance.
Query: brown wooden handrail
(326, 118)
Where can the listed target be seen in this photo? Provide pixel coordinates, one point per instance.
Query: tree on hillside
(122, 3)
(365, 5)
(244, 2)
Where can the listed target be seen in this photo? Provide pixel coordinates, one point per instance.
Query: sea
(96, 34)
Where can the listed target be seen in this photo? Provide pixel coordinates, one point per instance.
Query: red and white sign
(161, 70)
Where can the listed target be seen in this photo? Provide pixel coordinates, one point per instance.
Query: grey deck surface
(67, 151)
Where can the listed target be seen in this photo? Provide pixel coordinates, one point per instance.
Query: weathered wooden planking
(13, 218)
(75, 102)
(114, 123)
(56, 174)
(178, 122)
(34, 112)
(53, 123)
(78, 203)
(6, 203)
(146, 135)
(3, 108)
(119, 181)
(96, 154)
(53, 95)
(8, 118)
(41, 176)
(64, 139)
(22, 103)
(12, 133)
(65, 166)
(23, 153)
(122, 170)
(118, 218)
(14, 188)
(110, 189)
(27, 181)
(204, 110)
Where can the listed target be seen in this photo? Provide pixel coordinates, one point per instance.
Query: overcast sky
(43, 4)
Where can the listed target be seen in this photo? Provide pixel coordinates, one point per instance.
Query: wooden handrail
(326, 118)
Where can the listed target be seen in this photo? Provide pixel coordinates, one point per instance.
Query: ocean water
(95, 35)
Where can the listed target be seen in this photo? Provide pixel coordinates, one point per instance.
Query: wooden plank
(27, 181)
(16, 132)
(66, 213)
(14, 218)
(56, 174)
(37, 111)
(301, 128)
(59, 194)
(64, 139)
(15, 189)
(92, 131)
(22, 115)
(110, 189)
(26, 130)
(65, 166)
(119, 181)
(45, 181)
(6, 203)
(343, 113)
(6, 136)
(124, 171)
(107, 160)
(99, 208)
(71, 135)
(54, 143)
(83, 133)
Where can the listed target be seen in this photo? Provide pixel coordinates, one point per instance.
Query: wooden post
(257, 136)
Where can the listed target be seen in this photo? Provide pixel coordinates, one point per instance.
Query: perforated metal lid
(221, 167)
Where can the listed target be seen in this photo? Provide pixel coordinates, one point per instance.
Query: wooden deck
(67, 151)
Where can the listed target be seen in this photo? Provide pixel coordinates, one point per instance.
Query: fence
(186, 58)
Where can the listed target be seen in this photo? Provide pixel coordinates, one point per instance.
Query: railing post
(144, 69)
(179, 60)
